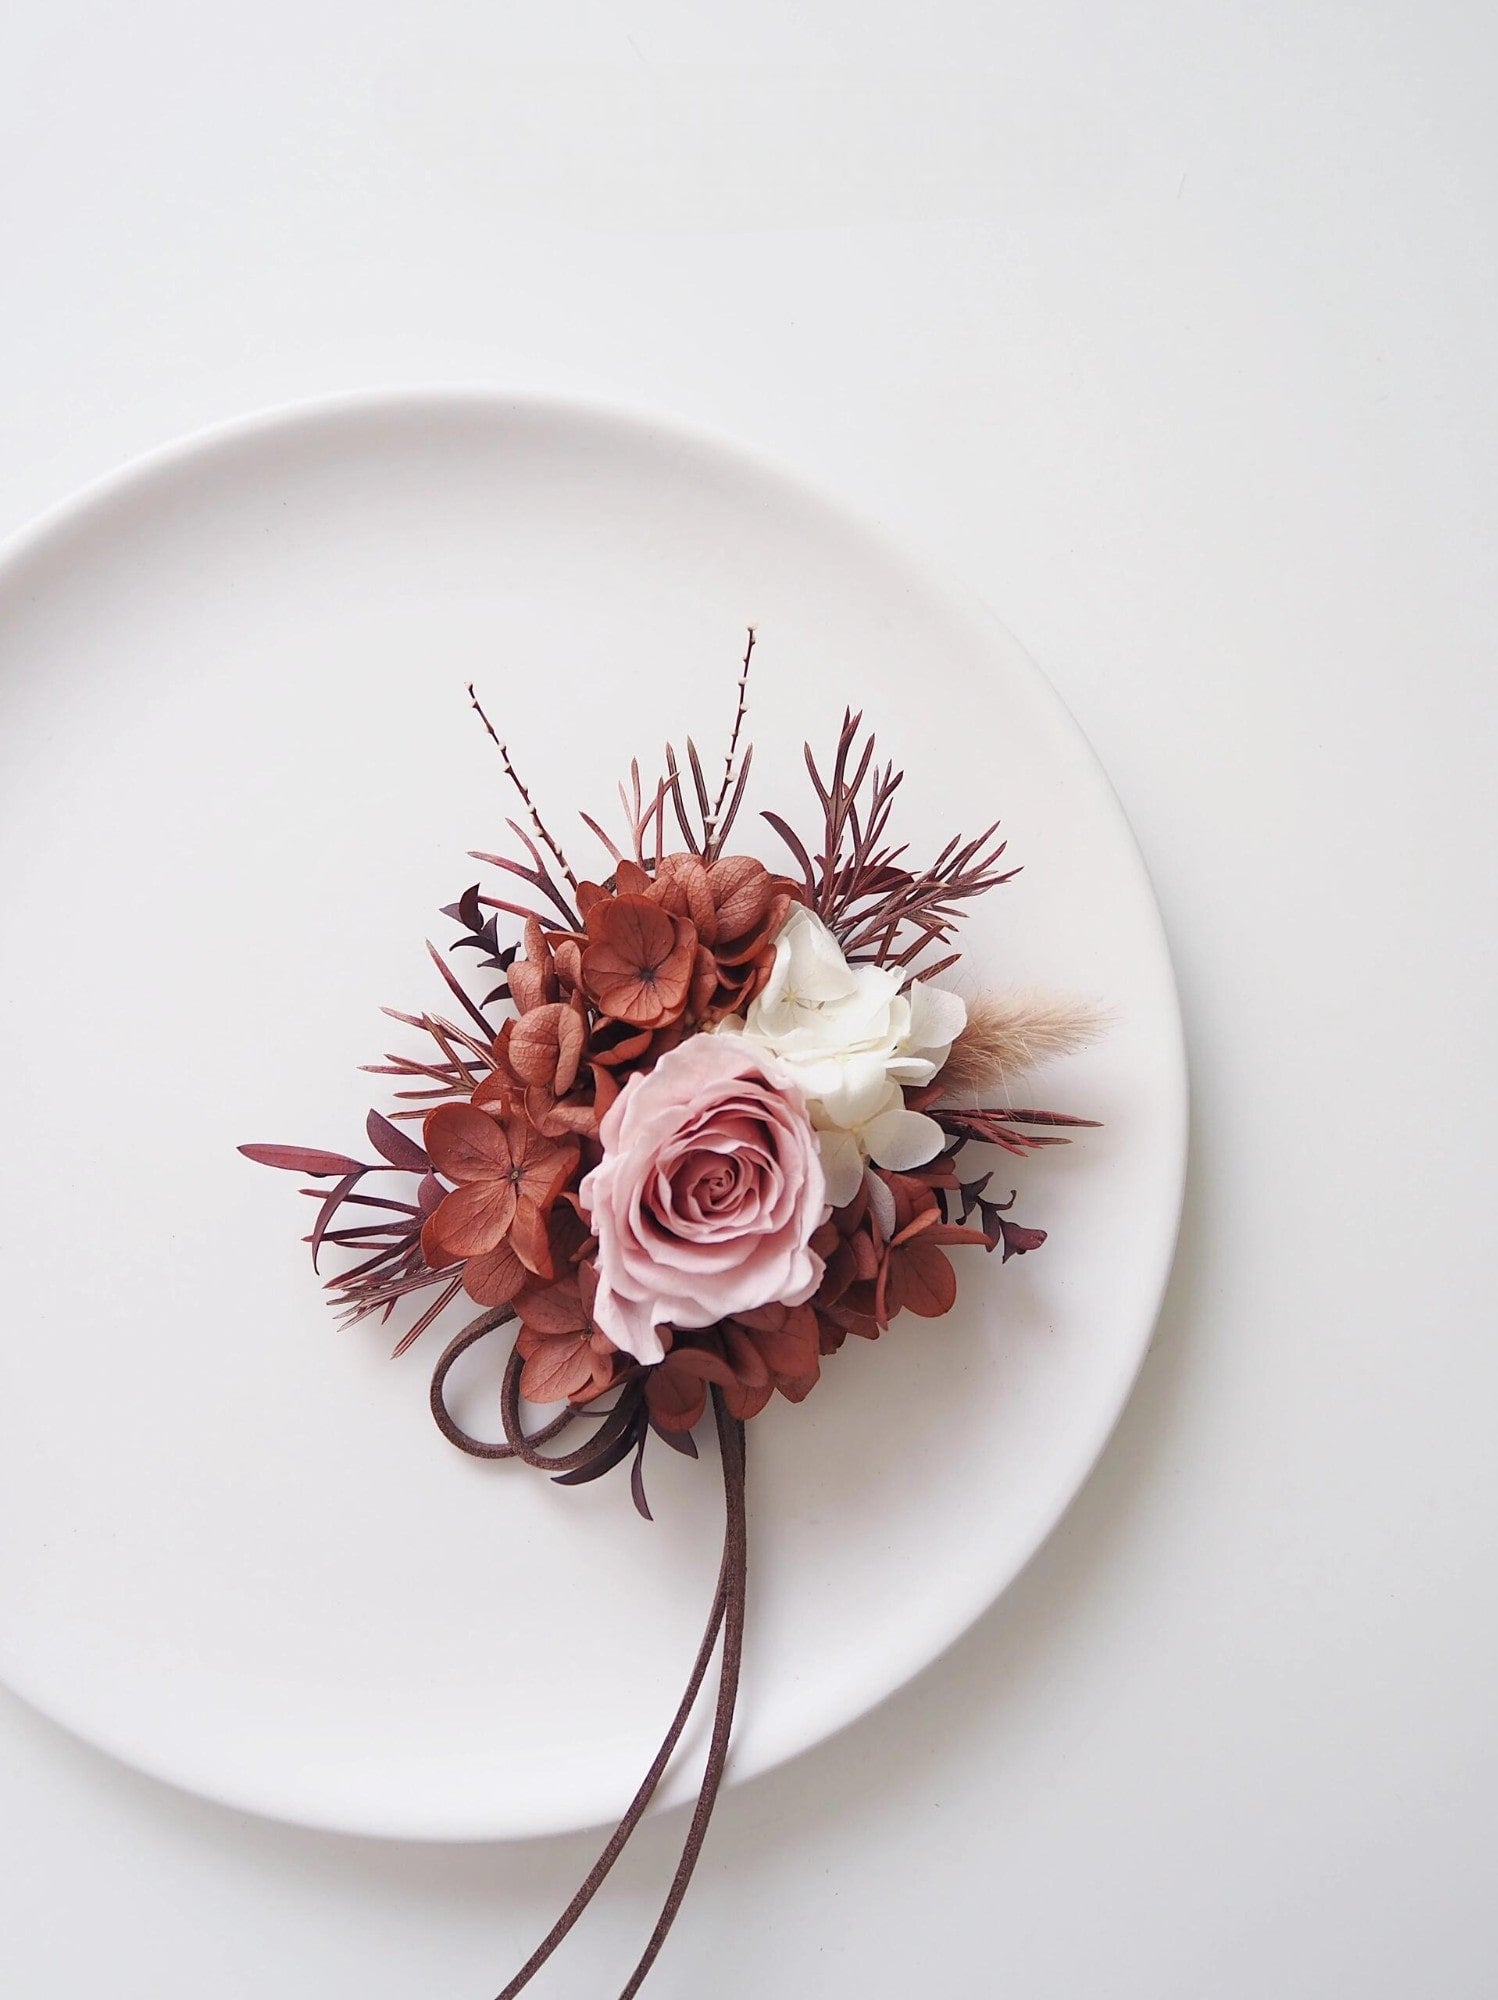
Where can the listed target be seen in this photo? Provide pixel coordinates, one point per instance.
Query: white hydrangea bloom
(850, 1039)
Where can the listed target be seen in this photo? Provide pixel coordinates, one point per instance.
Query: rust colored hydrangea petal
(639, 931)
(919, 1223)
(743, 1402)
(702, 1362)
(568, 959)
(796, 1388)
(745, 1359)
(704, 981)
(676, 1390)
(615, 1045)
(532, 977)
(926, 1282)
(630, 879)
(620, 990)
(675, 969)
(572, 1041)
(437, 1256)
(865, 1254)
(682, 886)
(786, 1337)
(913, 1200)
(638, 961)
(674, 1398)
(544, 1050)
(741, 889)
(557, 1369)
(530, 1240)
(644, 993)
(546, 1047)
(587, 1285)
(605, 1088)
(494, 1278)
(497, 1091)
(473, 1218)
(466, 1144)
(561, 1118)
(544, 1165)
(528, 986)
(553, 1309)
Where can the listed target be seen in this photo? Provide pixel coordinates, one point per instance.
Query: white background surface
(1172, 332)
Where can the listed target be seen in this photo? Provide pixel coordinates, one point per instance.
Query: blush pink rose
(707, 1194)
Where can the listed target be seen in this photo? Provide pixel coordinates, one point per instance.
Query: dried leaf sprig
(389, 1264)
(882, 910)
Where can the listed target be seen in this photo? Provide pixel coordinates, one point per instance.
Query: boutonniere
(708, 1119)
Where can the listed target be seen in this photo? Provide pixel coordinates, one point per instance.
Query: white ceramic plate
(237, 776)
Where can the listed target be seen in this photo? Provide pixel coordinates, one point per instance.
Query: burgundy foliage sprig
(880, 908)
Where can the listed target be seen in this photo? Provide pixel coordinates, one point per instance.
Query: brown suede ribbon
(726, 1617)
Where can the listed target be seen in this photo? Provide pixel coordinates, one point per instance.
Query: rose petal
(708, 1193)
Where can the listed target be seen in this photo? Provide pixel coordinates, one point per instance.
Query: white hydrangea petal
(816, 1075)
(901, 1140)
(842, 1166)
(856, 1090)
(810, 984)
(875, 1007)
(882, 1203)
(767, 1001)
(850, 1037)
(914, 1068)
(816, 954)
(937, 1018)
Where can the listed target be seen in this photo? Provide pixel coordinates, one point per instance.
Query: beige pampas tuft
(1010, 1033)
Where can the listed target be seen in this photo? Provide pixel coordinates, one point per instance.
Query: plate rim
(73, 510)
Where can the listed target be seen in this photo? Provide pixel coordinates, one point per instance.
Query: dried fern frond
(1009, 1034)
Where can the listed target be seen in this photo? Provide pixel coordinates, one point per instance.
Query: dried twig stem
(733, 742)
(515, 779)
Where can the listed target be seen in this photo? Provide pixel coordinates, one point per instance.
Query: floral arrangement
(722, 1124)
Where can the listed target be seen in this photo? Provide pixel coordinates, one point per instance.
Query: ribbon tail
(727, 1617)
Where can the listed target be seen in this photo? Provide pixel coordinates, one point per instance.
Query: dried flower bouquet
(721, 1123)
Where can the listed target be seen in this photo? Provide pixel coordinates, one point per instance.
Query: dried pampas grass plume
(1010, 1033)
